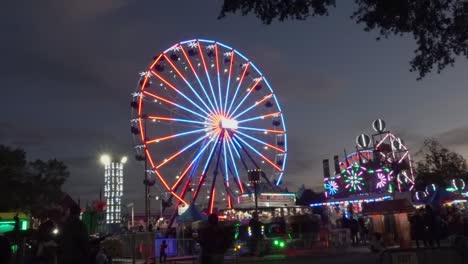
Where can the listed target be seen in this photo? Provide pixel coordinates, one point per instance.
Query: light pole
(132, 205)
(254, 178)
(160, 199)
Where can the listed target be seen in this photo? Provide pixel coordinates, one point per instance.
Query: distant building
(113, 188)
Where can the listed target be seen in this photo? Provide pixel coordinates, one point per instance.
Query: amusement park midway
(233, 131)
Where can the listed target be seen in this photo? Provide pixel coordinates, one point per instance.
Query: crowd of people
(70, 245)
(430, 227)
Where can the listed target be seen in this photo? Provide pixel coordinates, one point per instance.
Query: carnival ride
(204, 115)
(380, 164)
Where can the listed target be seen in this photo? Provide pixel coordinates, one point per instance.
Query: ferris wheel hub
(226, 123)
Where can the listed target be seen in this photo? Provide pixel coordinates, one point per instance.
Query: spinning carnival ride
(381, 164)
(203, 116)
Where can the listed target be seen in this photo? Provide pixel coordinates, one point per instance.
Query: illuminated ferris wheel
(204, 115)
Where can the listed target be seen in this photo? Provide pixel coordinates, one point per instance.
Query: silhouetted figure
(363, 231)
(429, 224)
(75, 239)
(162, 252)
(47, 247)
(418, 229)
(214, 242)
(101, 257)
(5, 249)
(376, 243)
(354, 228)
(256, 234)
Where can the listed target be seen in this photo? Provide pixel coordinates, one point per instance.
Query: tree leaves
(439, 27)
(34, 187)
(439, 165)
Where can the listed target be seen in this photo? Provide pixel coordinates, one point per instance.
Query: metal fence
(423, 255)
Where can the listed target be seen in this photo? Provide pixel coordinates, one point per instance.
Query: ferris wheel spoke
(186, 82)
(275, 114)
(150, 159)
(198, 78)
(219, 80)
(215, 175)
(261, 142)
(233, 161)
(225, 158)
(266, 131)
(177, 120)
(238, 87)
(174, 104)
(258, 153)
(196, 159)
(259, 79)
(231, 62)
(208, 78)
(254, 105)
(179, 92)
(160, 139)
(206, 167)
(182, 150)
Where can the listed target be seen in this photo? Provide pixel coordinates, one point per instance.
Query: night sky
(67, 73)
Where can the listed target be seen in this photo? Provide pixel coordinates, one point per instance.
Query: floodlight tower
(113, 187)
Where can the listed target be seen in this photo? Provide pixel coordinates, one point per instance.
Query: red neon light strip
(173, 156)
(179, 92)
(265, 158)
(233, 162)
(172, 103)
(229, 79)
(206, 71)
(174, 136)
(247, 95)
(219, 80)
(229, 202)
(161, 178)
(155, 61)
(179, 198)
(213, 196)
(196, 75)
(182, 175)
(195, 194)
(160, 98)
(238, 86)
(263, 130)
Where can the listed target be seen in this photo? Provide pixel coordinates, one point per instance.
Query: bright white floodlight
(105, 159)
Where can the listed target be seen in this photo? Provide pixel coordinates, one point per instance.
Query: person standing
(5, 249)
(214, 242)
(75, 240)
(162, 252)
(256, 239)
(418, 229)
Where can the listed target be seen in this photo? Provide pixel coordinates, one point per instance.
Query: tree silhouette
(439, 165)
(33, 187)
(439, 27)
